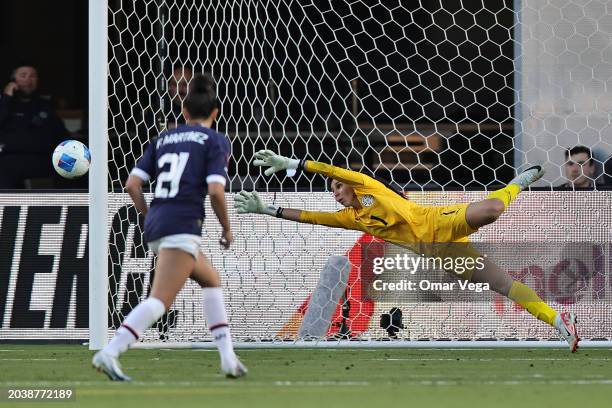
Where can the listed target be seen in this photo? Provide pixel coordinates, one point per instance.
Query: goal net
(442, 101)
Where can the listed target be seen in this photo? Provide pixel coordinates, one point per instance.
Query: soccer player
(374, 208)
(186, 162)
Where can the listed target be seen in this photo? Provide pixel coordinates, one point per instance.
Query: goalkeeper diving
(374, 208)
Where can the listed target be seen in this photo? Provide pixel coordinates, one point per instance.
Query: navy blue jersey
(182, 161)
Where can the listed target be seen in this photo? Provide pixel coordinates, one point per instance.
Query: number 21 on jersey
(177, 162)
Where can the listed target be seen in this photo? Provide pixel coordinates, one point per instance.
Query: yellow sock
(528, 299)
(507, 194)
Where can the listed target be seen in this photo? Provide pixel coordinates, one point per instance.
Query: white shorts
(186, 242)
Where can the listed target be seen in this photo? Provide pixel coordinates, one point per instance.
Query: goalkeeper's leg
(487, 211)
(207, 277)
(501, 282)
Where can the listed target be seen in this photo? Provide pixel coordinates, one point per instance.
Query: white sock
(558, 322)
(216, 317)
(559, 325)
(137, 321)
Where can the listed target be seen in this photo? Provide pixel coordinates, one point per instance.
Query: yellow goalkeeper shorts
(450, 224)
(451, 233)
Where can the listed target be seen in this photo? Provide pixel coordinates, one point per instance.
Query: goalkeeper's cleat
(565, 322)
(233, 368)
(109, 365)
(528, 177)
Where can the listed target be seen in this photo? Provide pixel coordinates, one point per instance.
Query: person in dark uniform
(186, 162)
(29, 130)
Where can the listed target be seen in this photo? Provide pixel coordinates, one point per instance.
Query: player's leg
(501, 282)
(173, 268)
(487, 211)
(205, 274)
(484, 212)
(456, 223)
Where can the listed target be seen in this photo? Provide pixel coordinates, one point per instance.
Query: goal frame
(98, 174)
(98, 221)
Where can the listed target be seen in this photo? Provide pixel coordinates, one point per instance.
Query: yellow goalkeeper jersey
(387, 215)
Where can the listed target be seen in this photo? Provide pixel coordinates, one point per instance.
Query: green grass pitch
(319, 378)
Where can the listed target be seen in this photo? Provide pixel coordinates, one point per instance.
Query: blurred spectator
(608, 172)
(171, 103)
(29, 130)
(177, 91)
(579, 168)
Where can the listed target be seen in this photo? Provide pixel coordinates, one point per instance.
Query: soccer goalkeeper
(372, 207)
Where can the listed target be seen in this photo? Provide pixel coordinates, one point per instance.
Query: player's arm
(275, 162)
(140, 175)
(216, 192)
(216, 176)
(133, 186)
(337, 173)
(250, 202)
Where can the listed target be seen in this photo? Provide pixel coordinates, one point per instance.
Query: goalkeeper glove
(245, 202)
(276, 162)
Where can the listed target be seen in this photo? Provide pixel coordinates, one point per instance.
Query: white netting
(424, 96)
(274, 266)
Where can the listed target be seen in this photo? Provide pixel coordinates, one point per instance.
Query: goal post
(98, 174)
(445, 103)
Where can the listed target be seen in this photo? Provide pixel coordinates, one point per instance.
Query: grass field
(320, 378)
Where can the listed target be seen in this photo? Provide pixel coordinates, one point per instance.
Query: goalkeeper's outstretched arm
(276, 162)
(337, 173)
(249, 202)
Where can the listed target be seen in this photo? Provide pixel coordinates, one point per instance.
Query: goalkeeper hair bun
(202, 97)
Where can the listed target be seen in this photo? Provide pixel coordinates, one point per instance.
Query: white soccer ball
(71, 159)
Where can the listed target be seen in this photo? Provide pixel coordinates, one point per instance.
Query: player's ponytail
(202, 97)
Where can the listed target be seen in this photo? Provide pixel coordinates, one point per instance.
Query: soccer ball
(71, 159)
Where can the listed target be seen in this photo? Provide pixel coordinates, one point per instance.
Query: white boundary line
(382, 344)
